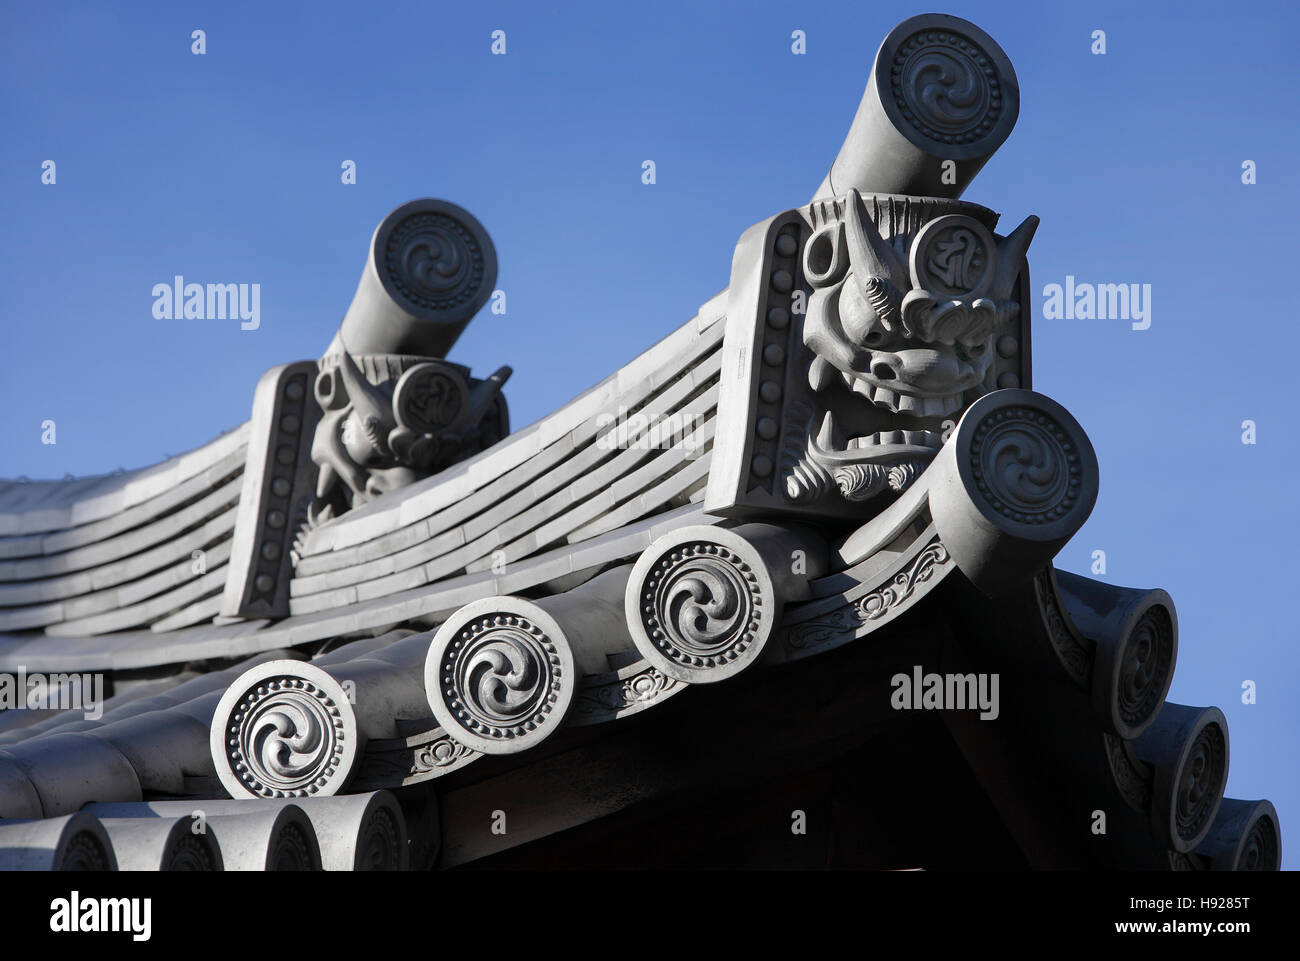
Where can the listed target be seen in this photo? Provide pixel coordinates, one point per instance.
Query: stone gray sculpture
(865, 456)
(703, 602)
(866, 322)
(394, 410)
(940, 90)
(381, 409)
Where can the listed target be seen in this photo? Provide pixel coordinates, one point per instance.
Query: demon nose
(921, 368)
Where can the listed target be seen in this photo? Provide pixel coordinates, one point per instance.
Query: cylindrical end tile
(500, 675)
(285, 729)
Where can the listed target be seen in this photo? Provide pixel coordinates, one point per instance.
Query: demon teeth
(910, 438)
(934, 407)
(897, 402)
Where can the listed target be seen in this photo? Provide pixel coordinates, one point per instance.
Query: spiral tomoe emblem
(946, 86)
(500, 675)
(1145, 665)
(702, 609)
(1200, 782)
(436, 261)
(287, 734)
(1025, 465)
(284, 729)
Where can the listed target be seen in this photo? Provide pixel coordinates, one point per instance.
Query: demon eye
(825, 257)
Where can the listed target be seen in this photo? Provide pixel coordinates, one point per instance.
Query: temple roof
(795, 556)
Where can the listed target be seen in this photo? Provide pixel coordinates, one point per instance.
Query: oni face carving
(903, 328)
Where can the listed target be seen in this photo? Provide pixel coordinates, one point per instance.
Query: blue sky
(226, 168)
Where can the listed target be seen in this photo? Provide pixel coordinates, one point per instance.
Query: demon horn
(367, 400)
(871, 257)
(1011, 254)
